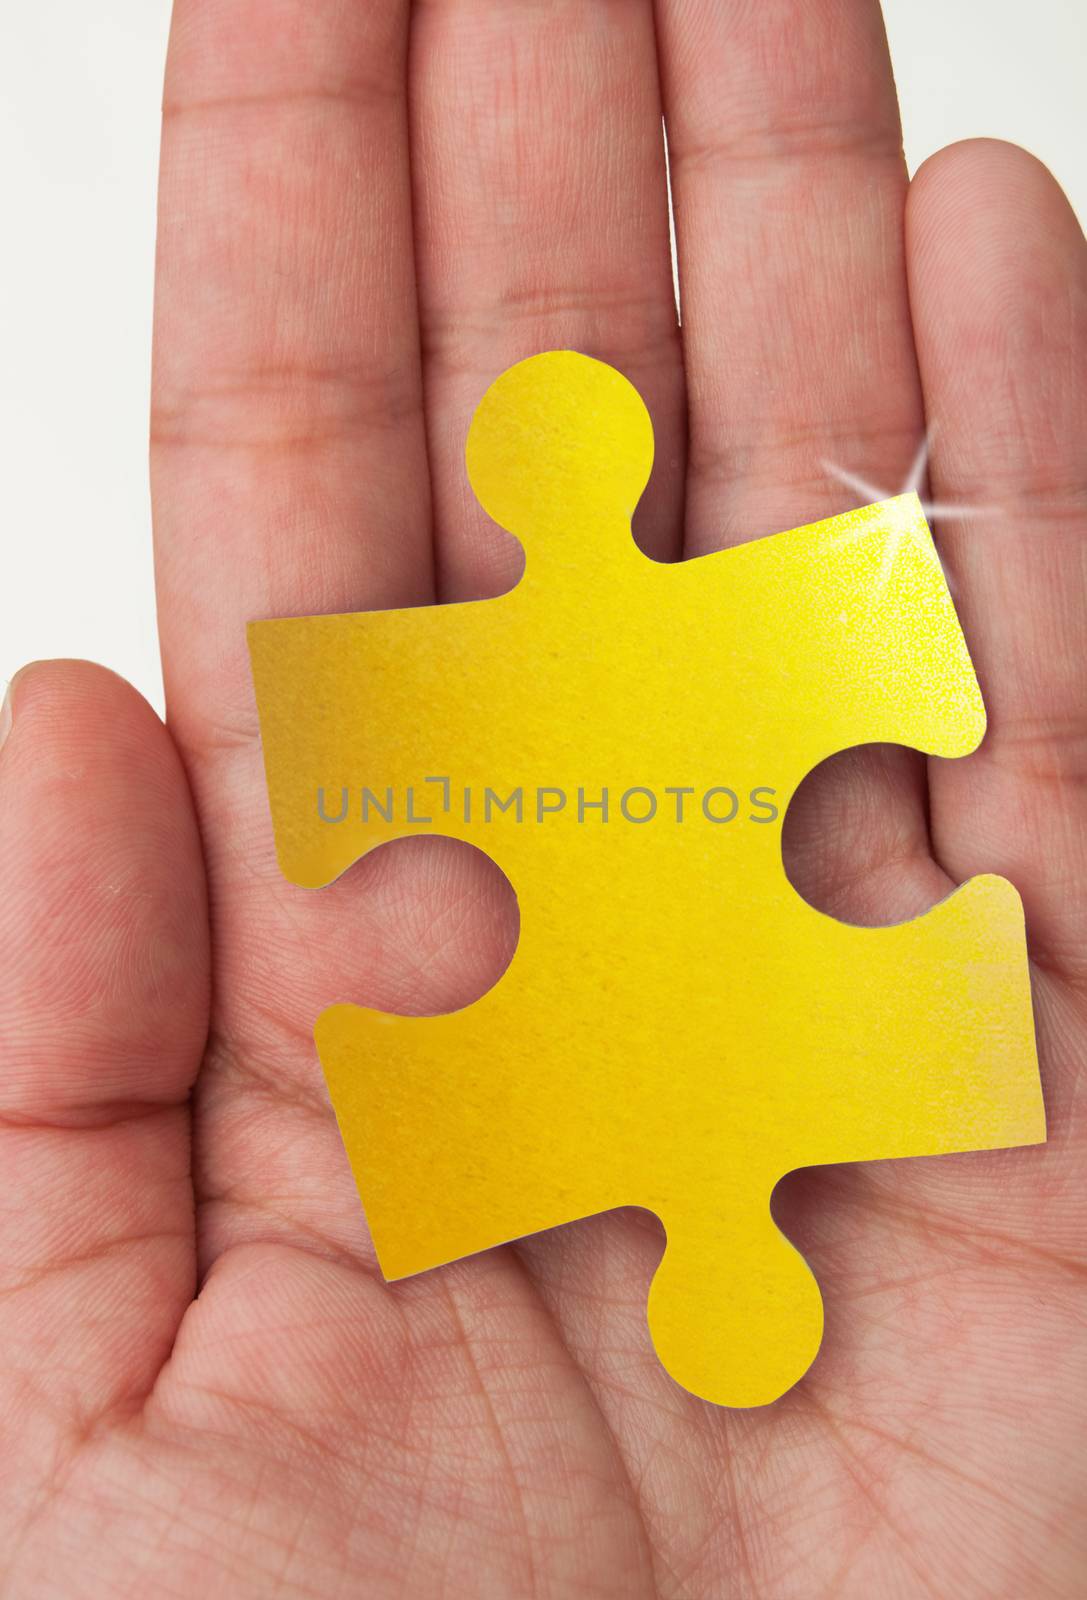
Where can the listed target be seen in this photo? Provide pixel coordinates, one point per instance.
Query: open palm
(206, 1386)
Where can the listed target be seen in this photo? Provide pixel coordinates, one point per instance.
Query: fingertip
(981, 155)
(103, 917)
(58, 693)
(969, 194)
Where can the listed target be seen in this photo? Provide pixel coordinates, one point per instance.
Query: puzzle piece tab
(677, 1028)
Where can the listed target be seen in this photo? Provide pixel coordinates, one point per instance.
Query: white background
(80, 84)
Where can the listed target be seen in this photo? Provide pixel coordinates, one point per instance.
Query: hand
(208, 1388)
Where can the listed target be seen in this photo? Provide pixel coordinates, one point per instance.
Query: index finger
(288, 451)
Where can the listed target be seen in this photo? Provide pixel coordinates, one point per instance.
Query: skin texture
(206, 1388)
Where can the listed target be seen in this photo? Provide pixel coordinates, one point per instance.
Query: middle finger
(541, 222)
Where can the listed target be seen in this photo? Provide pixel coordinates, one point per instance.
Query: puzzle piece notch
(571, 1087)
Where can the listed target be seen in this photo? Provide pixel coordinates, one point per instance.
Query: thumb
(103, 1012)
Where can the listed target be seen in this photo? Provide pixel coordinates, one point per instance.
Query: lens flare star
(899, 530)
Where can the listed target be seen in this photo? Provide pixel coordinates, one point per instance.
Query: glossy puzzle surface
(677, 1029)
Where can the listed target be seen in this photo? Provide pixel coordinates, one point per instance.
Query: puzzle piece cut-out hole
(854, 842)
(444, 920)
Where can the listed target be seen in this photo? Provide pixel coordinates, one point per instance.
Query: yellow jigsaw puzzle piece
(678, 1028)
